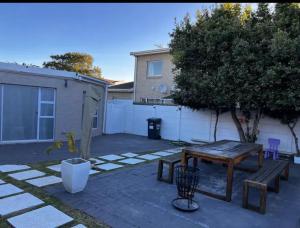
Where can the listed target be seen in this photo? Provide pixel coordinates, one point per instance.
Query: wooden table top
(226, 149)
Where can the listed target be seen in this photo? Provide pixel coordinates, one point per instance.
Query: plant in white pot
(74, 171)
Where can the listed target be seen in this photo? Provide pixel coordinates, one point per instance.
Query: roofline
(120, 90)
(16, 68)
(151, 52)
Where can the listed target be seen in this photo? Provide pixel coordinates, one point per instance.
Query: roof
(151, 52)
(14, 67)
(122, 87)
(110, 81)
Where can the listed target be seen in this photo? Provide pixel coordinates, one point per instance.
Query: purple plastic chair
(273, 148)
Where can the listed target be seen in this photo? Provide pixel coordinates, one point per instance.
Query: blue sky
(30, 33)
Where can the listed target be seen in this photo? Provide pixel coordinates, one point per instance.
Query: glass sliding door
(20, 113)
(27, 113)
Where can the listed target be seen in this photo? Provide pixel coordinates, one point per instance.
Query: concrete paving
(111, 157)
(46, 217)
(12, 168)
(109, 166)
(101, 145)
(131, 161)
(18, 202)
(132, 197)
(24, 175)
(9, 189)
(44, 181)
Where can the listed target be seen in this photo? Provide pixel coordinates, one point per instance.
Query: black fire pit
(187, 179)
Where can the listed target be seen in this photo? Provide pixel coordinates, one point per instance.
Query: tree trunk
(238, 125)
(216, 124)
(255, 125)
(291, 127)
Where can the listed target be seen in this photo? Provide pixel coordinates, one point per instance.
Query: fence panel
(181, 123)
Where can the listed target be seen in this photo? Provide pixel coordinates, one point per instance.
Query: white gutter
(121, 90)
(151, 52)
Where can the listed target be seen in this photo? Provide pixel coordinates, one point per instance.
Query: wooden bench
(170, 161)
(271, 171)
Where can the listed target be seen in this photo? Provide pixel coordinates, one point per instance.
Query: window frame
(154, 75)
(96, 115)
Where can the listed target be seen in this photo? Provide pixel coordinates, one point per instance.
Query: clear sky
(30, 33)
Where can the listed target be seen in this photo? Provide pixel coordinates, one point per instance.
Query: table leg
(229, 181)
(184, 160)
(260, 158)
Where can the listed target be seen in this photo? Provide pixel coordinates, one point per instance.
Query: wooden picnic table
(225, 152)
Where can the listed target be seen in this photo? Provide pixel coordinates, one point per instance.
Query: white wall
(181, 123)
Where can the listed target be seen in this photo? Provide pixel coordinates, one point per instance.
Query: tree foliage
(233, 58)
(74, 61)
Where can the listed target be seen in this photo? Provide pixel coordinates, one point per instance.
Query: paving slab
(175, 150)
(97, 161)
(109, 166)
(19, 202)
(131, 161)
(2, 182)
(92, 171)
(162, 153)
(44, 181)
(27, 174)
(149, 157)
(11, 168)
(46, 217)
(111, 157)
(9, 189)
(129, 155)
(79, 226)
(56, 168)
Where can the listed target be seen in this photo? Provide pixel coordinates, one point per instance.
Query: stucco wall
(144, 84)
(120, 95)
(68, 106)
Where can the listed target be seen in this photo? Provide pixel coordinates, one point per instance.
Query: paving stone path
(29, 211)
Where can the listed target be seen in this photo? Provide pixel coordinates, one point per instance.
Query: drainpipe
(134, 82)
(105, 110)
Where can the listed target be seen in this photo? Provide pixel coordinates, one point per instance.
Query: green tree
(74, 61)
(215, 63)
(251, 62)
(283, 77)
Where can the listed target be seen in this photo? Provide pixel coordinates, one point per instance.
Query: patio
(132, 197)
(123, 191)
(101, 145)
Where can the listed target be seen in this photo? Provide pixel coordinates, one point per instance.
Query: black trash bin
(154, 128)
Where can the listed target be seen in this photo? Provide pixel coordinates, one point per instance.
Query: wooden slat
(266, 174)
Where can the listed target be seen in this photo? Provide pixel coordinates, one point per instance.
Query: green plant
(59, 144)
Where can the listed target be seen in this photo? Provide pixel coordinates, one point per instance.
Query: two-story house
(153, 77)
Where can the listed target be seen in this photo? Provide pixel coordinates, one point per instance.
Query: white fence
(181, 123)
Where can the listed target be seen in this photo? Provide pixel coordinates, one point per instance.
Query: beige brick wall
(120, 95)
(68, 104)
(149, 86)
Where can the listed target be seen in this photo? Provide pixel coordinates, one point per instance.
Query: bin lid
(153, 119)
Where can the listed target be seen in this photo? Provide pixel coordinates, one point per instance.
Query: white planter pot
(75, 174)
(297, 159)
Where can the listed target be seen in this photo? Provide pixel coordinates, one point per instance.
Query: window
(95, 120)
(27, 113)
(154, 68)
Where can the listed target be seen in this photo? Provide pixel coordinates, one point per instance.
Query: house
(39, 104)
(121, 91)
(153, 77)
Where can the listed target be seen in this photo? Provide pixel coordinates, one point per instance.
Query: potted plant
(74, 171)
